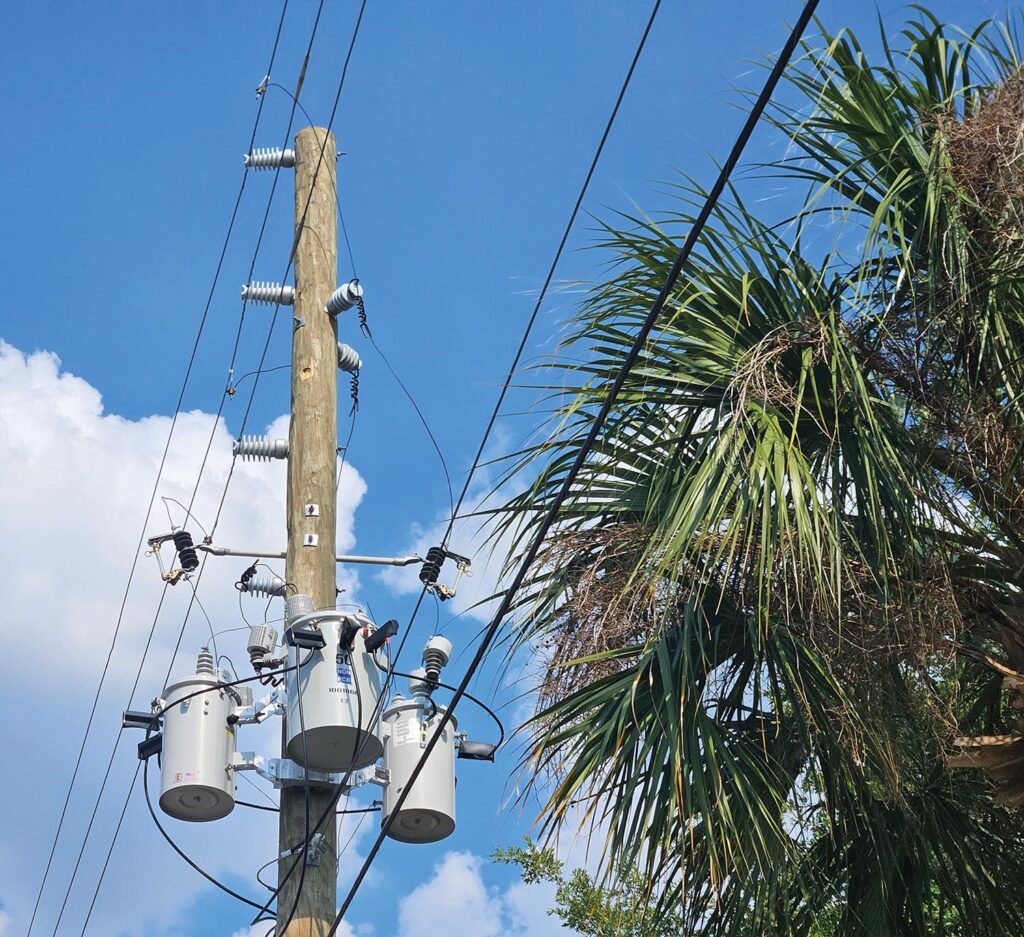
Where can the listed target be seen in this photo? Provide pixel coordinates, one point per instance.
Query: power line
(152, 498)
(549, 518)
(224, 397)
(537, 305)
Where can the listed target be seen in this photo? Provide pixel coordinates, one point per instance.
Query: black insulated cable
(550, 515)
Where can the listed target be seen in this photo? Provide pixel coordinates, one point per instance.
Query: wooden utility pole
(312, 461)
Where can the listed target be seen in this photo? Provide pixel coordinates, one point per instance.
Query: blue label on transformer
(344, 674)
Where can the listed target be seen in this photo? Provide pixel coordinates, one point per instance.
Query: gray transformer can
(428, 814)
(196, 774)
(339, 691)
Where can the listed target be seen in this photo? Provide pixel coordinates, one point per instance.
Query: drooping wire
(445, 540)
(596, 426)
(156, 486)
(191, 862)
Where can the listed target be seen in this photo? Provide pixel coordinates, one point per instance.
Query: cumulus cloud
(74, 484)
(456, 899)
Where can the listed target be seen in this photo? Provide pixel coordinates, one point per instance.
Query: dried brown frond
(986, 159)
(604, 608)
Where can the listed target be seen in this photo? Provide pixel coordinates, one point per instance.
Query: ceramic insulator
(344, 297)
(348, 358)
(262, 448)
(268, 157)
(273, 294)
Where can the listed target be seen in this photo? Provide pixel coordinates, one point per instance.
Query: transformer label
(402, 734)
(344, 667)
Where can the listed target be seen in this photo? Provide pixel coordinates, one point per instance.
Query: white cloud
(457, 900)
(74, 484)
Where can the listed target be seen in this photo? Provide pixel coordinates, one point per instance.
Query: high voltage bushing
(268, 157)
(263, 583)
(348, 358)
(273, 294)
(260, 448)
(344, 297)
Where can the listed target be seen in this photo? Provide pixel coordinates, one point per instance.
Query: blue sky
(466, 128)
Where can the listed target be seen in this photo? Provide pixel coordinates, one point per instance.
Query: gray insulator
(262, 640)
(273, 294)
(296, 606)
(344, 297)
(348, 358)
(264, 583)
(204, 663)
(269, 157)
(435, 655)
(260, 448)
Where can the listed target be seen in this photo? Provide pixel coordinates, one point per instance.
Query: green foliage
(769, 599)
(586, 906)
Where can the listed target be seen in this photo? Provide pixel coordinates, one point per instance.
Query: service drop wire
(595, 428)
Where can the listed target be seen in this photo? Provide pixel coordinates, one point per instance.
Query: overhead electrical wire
(584, 188)
(225, 395)
(596, 426)
(369, 335)
(252, 393)
(156, 485)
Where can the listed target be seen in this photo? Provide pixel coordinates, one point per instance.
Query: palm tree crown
(789, 575)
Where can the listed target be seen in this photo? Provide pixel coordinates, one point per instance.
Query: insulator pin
(260, 448)
(187, 556)
(273, 294)
(344, 297)
(268, 157)
(264, 583)
(348, 358)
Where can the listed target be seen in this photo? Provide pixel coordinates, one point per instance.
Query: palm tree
(789, 576)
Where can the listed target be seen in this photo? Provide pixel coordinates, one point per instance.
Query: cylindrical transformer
(196, 777)
(428, 814)
(339, 691)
